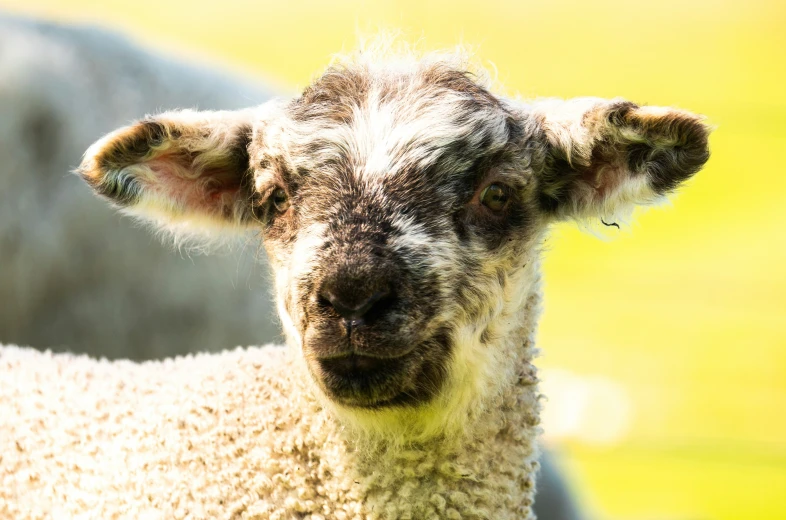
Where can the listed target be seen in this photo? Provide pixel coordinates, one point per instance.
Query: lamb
(402, 205)
(62, 87)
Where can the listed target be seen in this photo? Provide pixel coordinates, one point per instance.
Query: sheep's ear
(183, 168)
(603, 157)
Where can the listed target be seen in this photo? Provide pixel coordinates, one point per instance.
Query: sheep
(402, 206)
(61, 87)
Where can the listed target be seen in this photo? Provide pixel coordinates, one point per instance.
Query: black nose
(355, 303)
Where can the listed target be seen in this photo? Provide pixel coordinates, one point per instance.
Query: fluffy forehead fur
(376, 120)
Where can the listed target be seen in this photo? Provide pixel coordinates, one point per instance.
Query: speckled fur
(370, 182)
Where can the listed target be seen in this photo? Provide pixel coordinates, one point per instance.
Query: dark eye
(281, 200)
(494, 197)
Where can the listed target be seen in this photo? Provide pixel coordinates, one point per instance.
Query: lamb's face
(402, 209)
(395, 211)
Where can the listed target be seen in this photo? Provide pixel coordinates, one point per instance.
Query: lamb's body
(238, 435)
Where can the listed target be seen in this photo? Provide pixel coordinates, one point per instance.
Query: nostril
(379, 305)
(356, 305)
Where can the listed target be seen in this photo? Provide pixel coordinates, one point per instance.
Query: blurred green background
(673, 334)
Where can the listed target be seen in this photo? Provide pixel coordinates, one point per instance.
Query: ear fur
(183, 169)
(606, 156)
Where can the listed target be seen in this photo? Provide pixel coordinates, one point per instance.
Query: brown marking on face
(450, 79)
(333, 96)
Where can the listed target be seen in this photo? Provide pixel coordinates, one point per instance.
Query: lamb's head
(402, 208)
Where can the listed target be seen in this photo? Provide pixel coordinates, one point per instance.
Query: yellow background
(687, 309)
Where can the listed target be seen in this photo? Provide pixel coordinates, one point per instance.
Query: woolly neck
(239, 434)
(487, 470)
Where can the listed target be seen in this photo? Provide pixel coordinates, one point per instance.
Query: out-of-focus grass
(687, 311)
(688, 482)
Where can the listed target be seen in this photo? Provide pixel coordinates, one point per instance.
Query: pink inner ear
(212, 192)
(606, 178)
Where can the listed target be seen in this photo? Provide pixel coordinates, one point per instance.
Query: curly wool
(240, 434)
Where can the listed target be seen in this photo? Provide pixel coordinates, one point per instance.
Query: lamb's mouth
(361, 381)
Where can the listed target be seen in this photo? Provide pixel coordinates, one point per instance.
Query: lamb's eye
(494, 197)
(281, 200)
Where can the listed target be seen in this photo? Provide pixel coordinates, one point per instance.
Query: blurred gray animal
(64, 284)
(72, 276)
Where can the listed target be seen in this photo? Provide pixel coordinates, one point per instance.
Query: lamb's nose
(355, 304)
